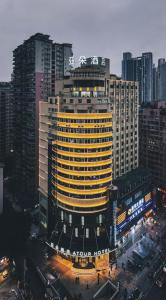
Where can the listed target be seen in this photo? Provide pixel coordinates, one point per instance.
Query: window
(87, 233)
(82, 220)
(70, 218)
(100, 219)
(62, 215)
(64, 228)
(76, 232)
(98, 231)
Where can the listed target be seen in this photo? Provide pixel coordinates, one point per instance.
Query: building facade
(135, 204)
(124, 102)
(152, 134)
(90, 126)
(61, 67)
(79, 168)
(6, 121)
(36, 64)
(139, 69)
(161, 79)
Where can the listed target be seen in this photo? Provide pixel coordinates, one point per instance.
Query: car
(161, 280)
(136, 295)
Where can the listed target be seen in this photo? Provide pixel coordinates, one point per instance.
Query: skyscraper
(152, 141)
(161, 79)
(34, 77)
(6, 120)
(154, 82)
(128, 67)
(60, 63)
(140, 69)
(147, 77)
(124, 98)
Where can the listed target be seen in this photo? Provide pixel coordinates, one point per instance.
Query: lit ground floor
(85, 283)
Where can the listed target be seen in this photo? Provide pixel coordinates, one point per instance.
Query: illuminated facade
(79, 177)
(135, 203)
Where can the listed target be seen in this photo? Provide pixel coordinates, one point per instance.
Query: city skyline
(125, 21)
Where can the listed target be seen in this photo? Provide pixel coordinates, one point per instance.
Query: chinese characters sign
(83, 60)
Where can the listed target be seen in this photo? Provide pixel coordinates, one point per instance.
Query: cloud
(105, 28)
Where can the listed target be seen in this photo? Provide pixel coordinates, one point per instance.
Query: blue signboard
(136, 213)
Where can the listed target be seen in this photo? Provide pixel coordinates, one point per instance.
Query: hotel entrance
(84, 262)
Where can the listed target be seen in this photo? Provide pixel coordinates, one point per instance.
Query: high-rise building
(6, 121)
(161, 79)
(125, 101)
(154, 83)
(79, 173)
(37, 63)
(147, 77)
(140, 69)
(153, 142)
(75, 169)
(128, 67)
(60, 63)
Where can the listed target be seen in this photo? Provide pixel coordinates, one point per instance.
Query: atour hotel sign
(80, 253)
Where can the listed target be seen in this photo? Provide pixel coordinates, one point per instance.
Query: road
(156, 293)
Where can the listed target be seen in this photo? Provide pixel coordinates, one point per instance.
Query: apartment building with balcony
(37, 63)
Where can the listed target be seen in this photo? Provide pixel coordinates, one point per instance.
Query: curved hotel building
(89, 136)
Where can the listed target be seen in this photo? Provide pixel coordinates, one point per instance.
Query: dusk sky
(104, 28)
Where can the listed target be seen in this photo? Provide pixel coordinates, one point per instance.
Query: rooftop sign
(83, 60)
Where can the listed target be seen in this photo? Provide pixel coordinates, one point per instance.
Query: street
(156, 293)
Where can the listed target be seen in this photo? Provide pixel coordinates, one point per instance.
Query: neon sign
(79, 253)
(135, 206)
(134, 215)
(83, 60)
